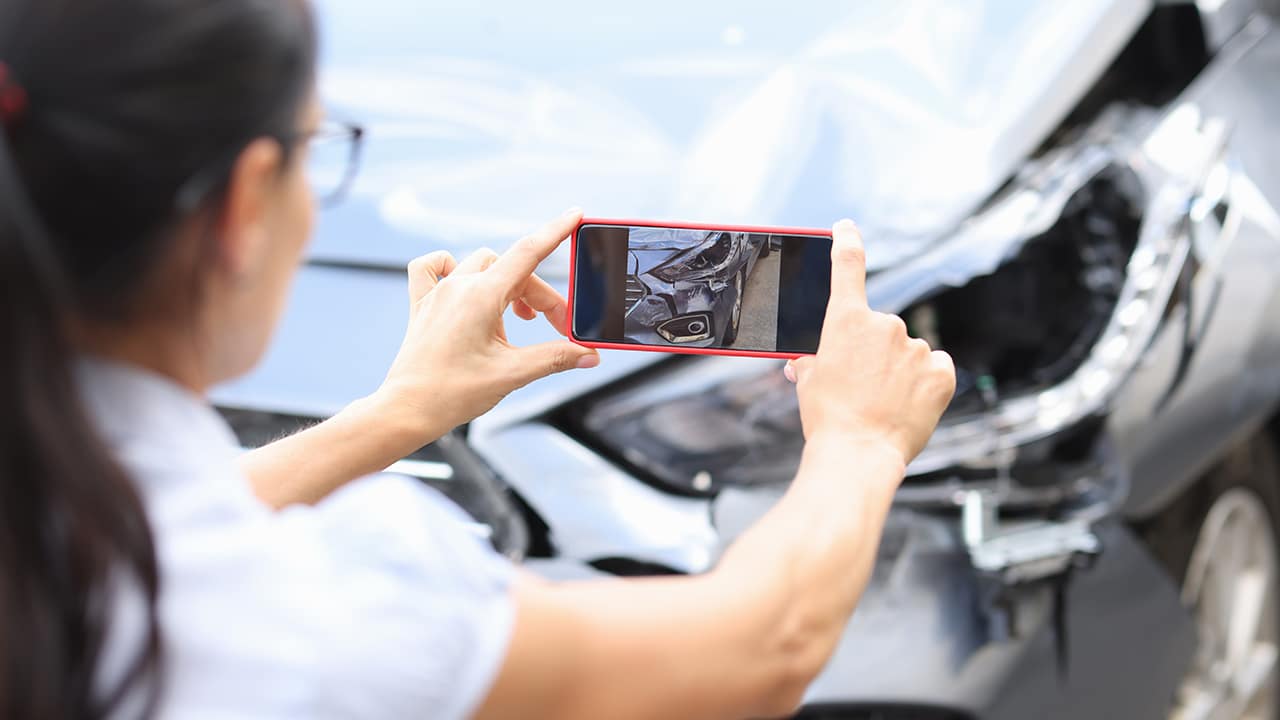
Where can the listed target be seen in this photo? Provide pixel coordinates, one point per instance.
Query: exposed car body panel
(599, 510)
(1171, 431)
(926, 632)
(1129, 641)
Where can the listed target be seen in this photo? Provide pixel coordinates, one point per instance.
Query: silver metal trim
(423, 469)
(1022, 552)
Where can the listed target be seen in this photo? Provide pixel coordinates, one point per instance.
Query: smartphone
(692, 288)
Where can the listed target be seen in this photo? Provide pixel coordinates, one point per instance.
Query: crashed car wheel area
(1230, 583)
(735, 317)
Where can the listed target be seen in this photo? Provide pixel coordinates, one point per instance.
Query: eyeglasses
(333, 159)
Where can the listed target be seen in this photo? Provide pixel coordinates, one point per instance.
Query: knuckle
(528, 243)
(892, 324)
(460, 285)
(949, 376)
(561, 359)
(447, 287)
(944, 373)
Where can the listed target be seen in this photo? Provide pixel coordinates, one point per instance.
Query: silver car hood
(487, 118)
(484, 121)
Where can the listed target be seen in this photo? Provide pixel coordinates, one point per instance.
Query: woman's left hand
(455, 362)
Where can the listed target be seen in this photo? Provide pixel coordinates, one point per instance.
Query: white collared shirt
(376, 603)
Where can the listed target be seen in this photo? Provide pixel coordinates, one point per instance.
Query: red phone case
(573, 252)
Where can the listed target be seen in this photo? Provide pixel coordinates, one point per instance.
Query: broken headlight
(1046, 300)
(710, 257)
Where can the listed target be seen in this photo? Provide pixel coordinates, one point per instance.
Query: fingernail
(588, 361)
(846, 224)
(571, 211)
(790, 371)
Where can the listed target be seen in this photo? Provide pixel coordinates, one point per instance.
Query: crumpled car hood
(663, 239)
(485, 119)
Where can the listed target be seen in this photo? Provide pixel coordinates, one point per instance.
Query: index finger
(426, 272)
(540, 296)
(517, 264)
(848, 266)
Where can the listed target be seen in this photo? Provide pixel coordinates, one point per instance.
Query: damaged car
(1077, 200)
(689, 296)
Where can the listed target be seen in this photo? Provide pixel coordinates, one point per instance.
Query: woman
(153, 209)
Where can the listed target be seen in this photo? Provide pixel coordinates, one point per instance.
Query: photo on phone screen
(667, 287)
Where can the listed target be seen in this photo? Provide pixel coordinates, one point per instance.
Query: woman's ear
(244, 239)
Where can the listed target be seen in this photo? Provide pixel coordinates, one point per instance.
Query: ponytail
(72, 526)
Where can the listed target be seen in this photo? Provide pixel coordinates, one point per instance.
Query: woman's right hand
(869, 380)
(747, 638)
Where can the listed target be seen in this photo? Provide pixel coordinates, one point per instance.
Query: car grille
(635, 291)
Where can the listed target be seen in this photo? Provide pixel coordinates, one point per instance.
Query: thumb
(538, 361)
(848, 266)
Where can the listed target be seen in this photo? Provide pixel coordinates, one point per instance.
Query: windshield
(487, 118)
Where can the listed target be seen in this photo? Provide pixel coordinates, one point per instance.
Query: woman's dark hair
(133, 113)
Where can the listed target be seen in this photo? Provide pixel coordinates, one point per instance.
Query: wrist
(401, 427)
(867, 450)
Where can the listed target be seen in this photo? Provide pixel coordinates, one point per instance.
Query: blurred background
(1076, 199)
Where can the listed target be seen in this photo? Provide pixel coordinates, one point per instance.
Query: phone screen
(666, 287)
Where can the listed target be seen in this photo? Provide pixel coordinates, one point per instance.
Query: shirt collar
(130, 405)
